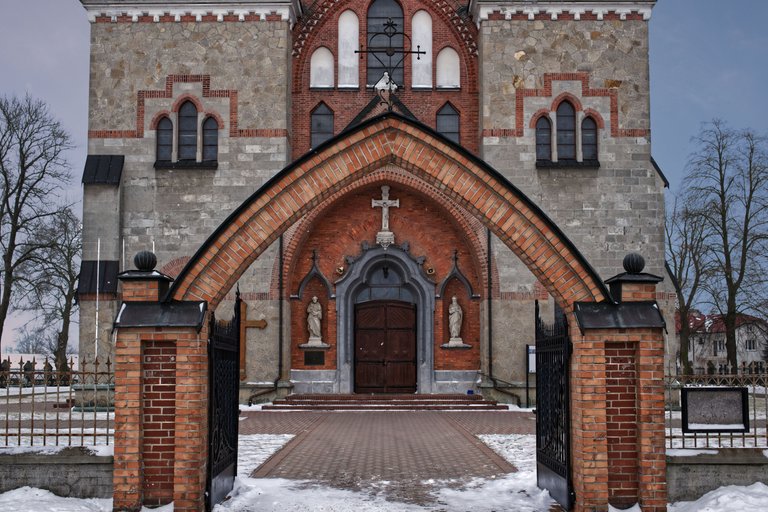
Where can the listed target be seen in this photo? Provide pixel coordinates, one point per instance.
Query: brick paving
(359, 450)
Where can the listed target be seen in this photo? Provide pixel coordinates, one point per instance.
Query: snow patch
(689, 453)
(633, 508)
(28, 499)
(731, 498)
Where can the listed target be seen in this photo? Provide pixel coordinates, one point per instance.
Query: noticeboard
(715, 409)
(530, 351)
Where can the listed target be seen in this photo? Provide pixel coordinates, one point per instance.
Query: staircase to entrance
(393, 402)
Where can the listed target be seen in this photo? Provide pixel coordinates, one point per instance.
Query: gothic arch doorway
(385, 276)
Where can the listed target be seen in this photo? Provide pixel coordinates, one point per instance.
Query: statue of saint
(455, 317)
(314, 315)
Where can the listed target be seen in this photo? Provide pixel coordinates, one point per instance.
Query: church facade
(390, 283)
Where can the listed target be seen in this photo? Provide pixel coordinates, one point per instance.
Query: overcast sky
(708, 60)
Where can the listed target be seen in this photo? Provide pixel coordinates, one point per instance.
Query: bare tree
(35, 340)
(688, 266)
(32, 172)
(47, 282)
(727, 184)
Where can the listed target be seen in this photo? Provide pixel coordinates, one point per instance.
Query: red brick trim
(184, 98)
(546, 92)
(388, 139)
(566, 96)
(539, 113)
(167, 93)
(215, 116)
(158, 117)
(173, 267)
(594, 114)
(188, 17)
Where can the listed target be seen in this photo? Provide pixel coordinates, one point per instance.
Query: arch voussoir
(389, 138)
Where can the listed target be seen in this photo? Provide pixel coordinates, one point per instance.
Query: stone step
(384, 407)
(368, 402)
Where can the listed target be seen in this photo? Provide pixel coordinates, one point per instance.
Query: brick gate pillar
(161, 395)
(617, 397)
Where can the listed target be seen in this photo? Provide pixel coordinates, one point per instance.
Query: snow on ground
(730, 498)
(515, 491)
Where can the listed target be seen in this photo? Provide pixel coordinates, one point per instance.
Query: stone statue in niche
(455, 318)
(314, 316)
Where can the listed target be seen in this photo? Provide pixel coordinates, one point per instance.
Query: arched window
(210, 139)
(543, 139)
(378, 61)
(188, 131)
(349, 41)
(448, 70)
(448, 122)
(566, 132)
(164, 140)
(321, 125)
(589, 139)
(421, 38)
(321, 68)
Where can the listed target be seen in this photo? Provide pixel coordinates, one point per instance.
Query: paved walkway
(357, 450)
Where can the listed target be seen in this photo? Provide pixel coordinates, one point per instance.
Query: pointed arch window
(321, 68)
(349, 41)
(566, 132)
(210, 139)
(543, 140)
(448, 122)
(421, 65)
(164, 149)
(321, 125)
(448, 69)
(378, 61)
(188, 131)
(589, 139)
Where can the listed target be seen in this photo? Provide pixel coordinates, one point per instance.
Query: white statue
(455, 317)
(314, 315)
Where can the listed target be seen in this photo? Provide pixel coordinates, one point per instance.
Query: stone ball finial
(145, 261)
(634, 263)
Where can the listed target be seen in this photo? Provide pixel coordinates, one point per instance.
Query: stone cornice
(575, 10)
(217, 11)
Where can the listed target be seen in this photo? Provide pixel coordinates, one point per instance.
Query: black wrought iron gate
(223, 410)
(553, 418)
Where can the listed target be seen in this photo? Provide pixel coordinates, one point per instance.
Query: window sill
(567, 164)
(187, 164)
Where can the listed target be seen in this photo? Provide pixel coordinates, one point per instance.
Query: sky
(707, 61)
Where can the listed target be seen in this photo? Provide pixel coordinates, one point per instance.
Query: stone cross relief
(385, 237)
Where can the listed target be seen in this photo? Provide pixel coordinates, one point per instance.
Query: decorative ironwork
(223, 409)
(553, 425)
(389, 49)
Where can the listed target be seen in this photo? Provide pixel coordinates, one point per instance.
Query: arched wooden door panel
(385, 347)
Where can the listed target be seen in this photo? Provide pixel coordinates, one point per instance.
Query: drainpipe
(280, 314)
(490, 309)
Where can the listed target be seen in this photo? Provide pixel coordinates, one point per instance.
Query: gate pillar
(161, 399)
(617, 396)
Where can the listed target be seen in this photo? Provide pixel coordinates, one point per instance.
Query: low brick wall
(690, 477)
(72, 472)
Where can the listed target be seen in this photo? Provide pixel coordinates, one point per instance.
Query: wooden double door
(385, 347)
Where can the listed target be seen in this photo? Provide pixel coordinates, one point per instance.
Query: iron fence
(757, 401)
(42, 406)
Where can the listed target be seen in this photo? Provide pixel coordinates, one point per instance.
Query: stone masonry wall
(526, 65)
(236, 71)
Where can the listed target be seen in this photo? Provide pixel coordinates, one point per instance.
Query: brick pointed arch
(389, 138)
